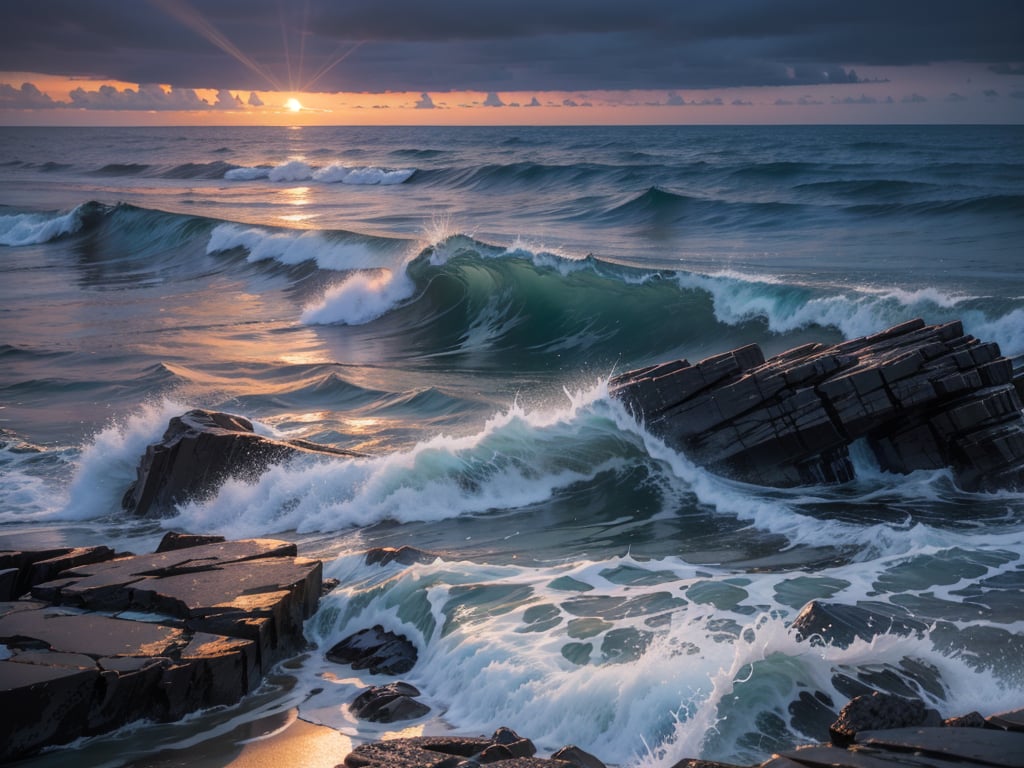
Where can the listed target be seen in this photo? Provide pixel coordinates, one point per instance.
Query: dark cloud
(146, 97)
(501, 45)
(914, 98)
(27, 97)
(254, 100)
(425, 102)
(956, 98)
(493, 100)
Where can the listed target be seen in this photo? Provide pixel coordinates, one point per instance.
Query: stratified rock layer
(80, 660)
(199, 451)
(924, 397)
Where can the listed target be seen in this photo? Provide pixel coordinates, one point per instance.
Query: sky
(507, 62)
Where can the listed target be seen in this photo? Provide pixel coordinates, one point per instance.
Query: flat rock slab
(980, 745)
(834, 757)
(151, 636)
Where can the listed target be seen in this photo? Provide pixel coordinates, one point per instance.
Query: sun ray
(191, 18)
(331, 64)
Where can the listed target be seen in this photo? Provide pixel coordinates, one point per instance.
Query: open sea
(452, 301)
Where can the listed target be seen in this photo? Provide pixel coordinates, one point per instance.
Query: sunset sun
(293, 104)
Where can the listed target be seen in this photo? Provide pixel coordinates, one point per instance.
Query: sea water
(452, 302)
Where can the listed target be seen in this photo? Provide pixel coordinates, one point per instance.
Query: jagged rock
(880, 711)
(375, 649)
(924, 397)
(970, 720)
(405, 555)
(389, 703)
(172, 541)
(199, 451)
(840, 625)
(504, 746)
(224, 613)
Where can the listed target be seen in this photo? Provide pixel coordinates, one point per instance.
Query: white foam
(360, 299)
(298, 170)
(293, 170)
(335, 174)
(294, 247)
(107, 466)
(34, 228)
(247, 174)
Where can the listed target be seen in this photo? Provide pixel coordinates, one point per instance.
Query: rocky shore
(91, 639)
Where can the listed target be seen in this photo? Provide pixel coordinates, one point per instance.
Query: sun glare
(293, 104)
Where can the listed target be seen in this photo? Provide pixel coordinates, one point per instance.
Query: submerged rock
(199, 451)
(840, 625)
(924, 397)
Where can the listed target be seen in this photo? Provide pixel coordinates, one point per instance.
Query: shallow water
(452, 301)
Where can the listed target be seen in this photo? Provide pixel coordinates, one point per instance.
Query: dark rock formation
(405, 555)
(573, 754)
(924, 397)
(389, 703)
(383, 653)
(222, 615)
(199, 451)
(840, 625)
(880, 711)
(20, 571)
(451, 752)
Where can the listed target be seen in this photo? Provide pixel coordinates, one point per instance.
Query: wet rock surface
(154, 636)
(879, 711)
(375, 649)
(389, 703)
(924, 397)
(199, 451)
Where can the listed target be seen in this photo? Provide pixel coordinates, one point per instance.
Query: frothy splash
(298, 170)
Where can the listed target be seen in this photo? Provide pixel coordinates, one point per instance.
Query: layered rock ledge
(107, 639)
(922, 396)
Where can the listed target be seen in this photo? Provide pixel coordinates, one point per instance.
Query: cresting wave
(297, 170)
(460, 294)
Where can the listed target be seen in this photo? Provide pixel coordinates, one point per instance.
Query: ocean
(452, 302)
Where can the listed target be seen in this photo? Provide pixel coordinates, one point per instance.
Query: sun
(293, 104)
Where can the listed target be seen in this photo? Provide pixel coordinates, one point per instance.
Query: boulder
(504, 746)
(199, 451)
(880, 711)
(389, 703)
(381, 652)
(405, 555)
(220, 615)
(923, 397)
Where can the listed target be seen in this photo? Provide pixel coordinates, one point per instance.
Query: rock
(840, 625)
(199, 451)
(923, 397)
(20, 571)
(504, 746)
(381, 652)
(405, 555)
(172, 541)
(970, 720)
(389, 703)
(974, 746)
(222, 614)
(573, 754)
(879, 711)
(1009, 721)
